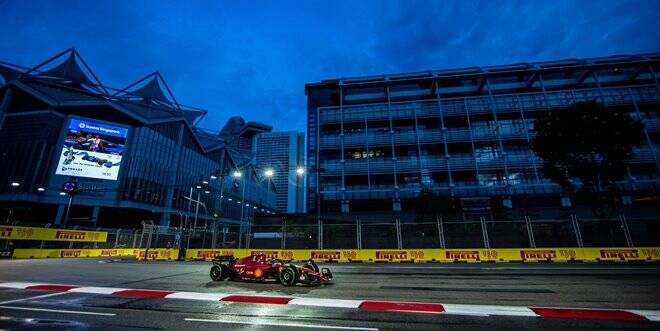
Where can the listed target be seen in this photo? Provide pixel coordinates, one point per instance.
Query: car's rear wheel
(289, 276)
(219, 273)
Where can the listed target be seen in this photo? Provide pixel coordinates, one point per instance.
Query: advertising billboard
(92, 150)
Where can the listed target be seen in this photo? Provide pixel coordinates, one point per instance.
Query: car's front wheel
(289, 276)
(219, 273)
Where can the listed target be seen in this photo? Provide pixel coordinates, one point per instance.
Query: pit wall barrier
(610, 254)
(152, 254)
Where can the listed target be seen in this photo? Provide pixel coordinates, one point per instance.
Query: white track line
(31, 298)
(58, 311)
(335, 303)
(197, 296)
(96, 290)
(290, 325)
(486, 310)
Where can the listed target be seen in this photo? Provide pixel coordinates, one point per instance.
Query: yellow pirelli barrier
(442, 255)
(153, 254)
(32, 233)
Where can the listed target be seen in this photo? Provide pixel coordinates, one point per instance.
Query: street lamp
(237, 174)
(269, 173)
(15, 184)
(300, 171)
(41, 189)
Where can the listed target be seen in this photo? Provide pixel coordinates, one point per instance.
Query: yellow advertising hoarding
(442, 255)
(31, 233)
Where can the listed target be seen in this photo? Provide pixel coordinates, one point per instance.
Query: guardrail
(151, 254)
(611, 254)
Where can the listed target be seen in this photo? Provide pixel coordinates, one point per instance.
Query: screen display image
(92, 150)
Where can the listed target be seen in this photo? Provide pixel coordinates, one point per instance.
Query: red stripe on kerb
(257, 299)
(402, 306)
(595, 314)
(142, 293)
(54, 288)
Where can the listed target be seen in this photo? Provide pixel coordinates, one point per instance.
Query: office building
(283, 153)
(373, 142)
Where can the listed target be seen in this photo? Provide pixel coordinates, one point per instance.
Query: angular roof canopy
(8, 72)
(72, 71)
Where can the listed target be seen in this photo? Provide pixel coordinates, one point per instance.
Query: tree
(591, 143)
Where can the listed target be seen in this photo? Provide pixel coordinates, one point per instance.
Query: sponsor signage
(538, 254)
(325, 255)
(92, 150)
(462, 255)
(30, 233)
(620, 254)
(392, 255)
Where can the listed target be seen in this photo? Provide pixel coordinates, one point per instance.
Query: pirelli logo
(462, 255)
(109, 252)
(151, 255)
(212, 254)
(71, 235)
(269, 254)
(75, 253)
(326, 255)
(538, 254)
(391, 255)
(619, 254)
(5, 232)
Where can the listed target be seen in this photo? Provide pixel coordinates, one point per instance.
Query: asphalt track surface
(603, 286)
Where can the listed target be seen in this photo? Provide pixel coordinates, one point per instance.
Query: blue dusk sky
(252, 58)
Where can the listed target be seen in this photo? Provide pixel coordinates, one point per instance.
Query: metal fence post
(576, 229)
(441, 231)
(484, 231)
(530, 232)
(117, 237)
(626, 230)
(283, 240)
(214, 233)
(358, 232)
(134, 237)
(320, 233)
(399, 239)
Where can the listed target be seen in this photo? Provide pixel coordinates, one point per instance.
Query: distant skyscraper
(284, 153)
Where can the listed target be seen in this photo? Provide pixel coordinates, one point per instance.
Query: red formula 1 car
(258, 268)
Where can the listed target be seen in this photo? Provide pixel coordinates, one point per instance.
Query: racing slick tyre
(219, 273)
(289, 276)
(311, 265)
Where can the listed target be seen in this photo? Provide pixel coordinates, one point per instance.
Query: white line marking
(31, 298)
(59, 311)
(337, 303)
(197, 296)
(96, 290)
(311, 326)
(19, 285)
(486, 310)
(651, 315)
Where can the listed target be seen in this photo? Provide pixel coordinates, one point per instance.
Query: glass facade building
(283, 152)
(373, 142)
(165, 161)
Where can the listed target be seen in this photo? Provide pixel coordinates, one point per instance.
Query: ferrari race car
(258, 268)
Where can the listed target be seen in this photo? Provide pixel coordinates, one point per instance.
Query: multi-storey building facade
(374, 141)
(135, 154)
(283, 152)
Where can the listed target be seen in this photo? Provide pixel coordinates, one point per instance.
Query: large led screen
(92, 150)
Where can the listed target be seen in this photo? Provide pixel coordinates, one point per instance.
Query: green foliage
(591, 143)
